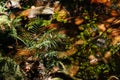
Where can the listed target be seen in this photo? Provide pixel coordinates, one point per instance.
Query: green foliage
(4, 20)
(37, 23)
(61, 18)
(47, 44)
(36, 35)
(49, 58)
(9, 70)
(49, 40)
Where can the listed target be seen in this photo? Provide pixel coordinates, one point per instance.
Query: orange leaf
(79, 42)
(63, 32)
(12, 16)
(99, 1)
(114, 13)
(25, 13)
(53, 26)
(116, 40)
(107, 55)
(108, 3)
(110, 20)
(114, 32)
(91, 57)
(101, 27)
(78, 20)
(73, 70)
(67, 53)
(24, 52)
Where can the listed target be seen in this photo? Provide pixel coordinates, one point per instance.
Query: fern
(2, 7)
(12, 31)
(49, 40)
(7, 24)
(49, 58)
(37, 37)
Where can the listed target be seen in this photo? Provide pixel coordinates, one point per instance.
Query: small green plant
(9, 69)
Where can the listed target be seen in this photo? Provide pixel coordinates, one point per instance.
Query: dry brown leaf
(73, 70)
(110, 20)
(55, 69)
(105, 2)
(25, 13)
(53, 26)
(63, 32)
(107, 55)
(67, 53)
(57, 6)
(80, 28)
(91, 57)
(102, 27)
(34, 11)
(108, 3)
(116, 40)
(71, 51)
(114, 32)
(114, 13)
(99, 1)
(12, 16)
(117, 21)
(78, 20)
(24, 52)
(79, 42)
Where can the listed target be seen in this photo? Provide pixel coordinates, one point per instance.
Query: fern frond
(49, 39)
(49, 54)
(13, 33)
(15, 22)
(2, 7)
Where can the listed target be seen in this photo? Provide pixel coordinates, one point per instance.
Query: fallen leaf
(114, 13)
(99, 1)
(107, 54)
(108, 3)
(91, 57)
(53, 26)
(102, 27)
(34, 11)
(24, 52)
(110, 20)
(116, 40)
(12, 16)
(63, 32)
(72, 70)
(114, 32)
(94, 61)
(67, 53)
(78, 20)
(25, 13)
(79, 42)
